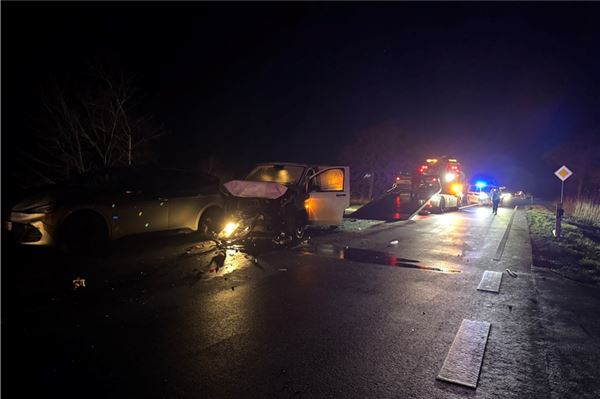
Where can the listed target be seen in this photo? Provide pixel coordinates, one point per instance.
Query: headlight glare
(229, 229)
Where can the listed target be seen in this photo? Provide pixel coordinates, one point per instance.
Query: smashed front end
(254, 209)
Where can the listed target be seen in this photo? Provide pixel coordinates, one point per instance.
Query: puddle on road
(369, 256)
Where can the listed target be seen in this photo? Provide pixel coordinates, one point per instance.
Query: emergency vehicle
(444, 177)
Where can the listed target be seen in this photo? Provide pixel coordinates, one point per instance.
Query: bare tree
(375, 156)
(91, 125)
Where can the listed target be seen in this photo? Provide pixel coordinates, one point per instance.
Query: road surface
(369, 313)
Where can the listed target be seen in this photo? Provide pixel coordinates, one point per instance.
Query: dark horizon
(499, 86)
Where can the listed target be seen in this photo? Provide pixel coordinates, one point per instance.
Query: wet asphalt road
(345, 315)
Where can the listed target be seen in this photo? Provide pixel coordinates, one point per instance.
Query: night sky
(497, 85)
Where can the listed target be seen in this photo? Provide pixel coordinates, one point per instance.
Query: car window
(128, 181)
(330, 180)
(282, 174)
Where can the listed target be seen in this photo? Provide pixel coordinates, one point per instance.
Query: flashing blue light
(480, 184)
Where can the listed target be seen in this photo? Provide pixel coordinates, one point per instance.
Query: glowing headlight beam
(229, 229)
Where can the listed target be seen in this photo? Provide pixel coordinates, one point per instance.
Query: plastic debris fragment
(78, 282)
(511, 273)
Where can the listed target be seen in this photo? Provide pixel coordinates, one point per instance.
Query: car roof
(282, 163)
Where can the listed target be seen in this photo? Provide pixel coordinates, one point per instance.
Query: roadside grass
(584, 210)
(574, 255)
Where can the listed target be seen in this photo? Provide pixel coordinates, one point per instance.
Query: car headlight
(47, 208)
(483, 196)
(229, 229)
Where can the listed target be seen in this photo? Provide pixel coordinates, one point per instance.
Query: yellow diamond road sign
(563, 173)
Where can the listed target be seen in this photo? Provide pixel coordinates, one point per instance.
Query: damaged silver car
(83, 213)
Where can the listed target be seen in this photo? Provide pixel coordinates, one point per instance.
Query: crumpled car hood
(255, 189)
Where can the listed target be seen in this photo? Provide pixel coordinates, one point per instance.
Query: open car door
(329, 195)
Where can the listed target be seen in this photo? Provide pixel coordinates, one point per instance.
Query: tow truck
(439, 182)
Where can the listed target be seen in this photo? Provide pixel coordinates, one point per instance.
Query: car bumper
(30, 229)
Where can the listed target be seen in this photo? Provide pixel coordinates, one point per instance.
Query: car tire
(209, 223)
(293, 236)
(442, 207)
(299, 233)
(300, 229)
(84, 234)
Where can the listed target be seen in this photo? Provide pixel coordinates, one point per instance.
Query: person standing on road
(495, 194)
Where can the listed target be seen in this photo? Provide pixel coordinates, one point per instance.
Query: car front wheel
(442, 207)
(210, 223)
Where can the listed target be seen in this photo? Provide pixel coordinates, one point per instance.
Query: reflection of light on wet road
(234, 260)
(482, 212)
(421, 217)
(449, 230)
(373, 257)
(220, 262)
(453, 219)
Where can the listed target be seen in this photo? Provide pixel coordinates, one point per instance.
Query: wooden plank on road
(463, 362)
(490, 281)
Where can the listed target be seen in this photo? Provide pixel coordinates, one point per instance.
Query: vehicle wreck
(278, 201)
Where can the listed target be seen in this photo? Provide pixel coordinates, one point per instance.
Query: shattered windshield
(282, 174)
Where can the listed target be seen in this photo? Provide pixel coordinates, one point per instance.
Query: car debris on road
(511, 273)
(78, 282)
